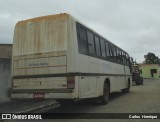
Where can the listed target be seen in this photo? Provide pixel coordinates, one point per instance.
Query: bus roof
(37, 19)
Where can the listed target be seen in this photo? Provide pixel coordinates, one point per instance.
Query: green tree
(151, 58)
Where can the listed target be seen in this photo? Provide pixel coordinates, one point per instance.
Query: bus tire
(106, 92)
(137, 80)
(127, 90)
(141, 79)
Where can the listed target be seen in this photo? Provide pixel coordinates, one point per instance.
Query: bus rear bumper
(42, 94)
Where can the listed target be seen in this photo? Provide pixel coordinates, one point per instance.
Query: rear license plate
(38, 95)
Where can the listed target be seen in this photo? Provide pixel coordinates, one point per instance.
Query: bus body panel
(40, 83)
(39, 65)
(87, 87)
(93, 66)
(40, 56)
(71, 45)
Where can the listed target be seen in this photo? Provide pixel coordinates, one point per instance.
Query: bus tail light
(70, 82)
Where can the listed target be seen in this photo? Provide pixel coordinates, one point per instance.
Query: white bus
(57, 57)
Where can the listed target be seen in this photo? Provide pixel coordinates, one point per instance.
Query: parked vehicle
(58, 57)
(136, 78)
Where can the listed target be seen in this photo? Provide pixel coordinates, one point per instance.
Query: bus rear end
(39, 63)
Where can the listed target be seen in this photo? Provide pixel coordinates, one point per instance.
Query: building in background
(5, 71)
(150, 70)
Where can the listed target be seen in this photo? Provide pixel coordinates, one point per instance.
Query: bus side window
(111, 53)
(103, 49)
(82, 40)
(121, 56)
(107, 50)
(114, 53)
(127, 59)
(98, 51)
(124, 57)
(91, 43)
(118, 55)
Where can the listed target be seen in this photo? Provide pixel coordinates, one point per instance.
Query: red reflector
(71, 82)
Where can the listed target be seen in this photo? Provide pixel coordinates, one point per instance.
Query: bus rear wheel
(105, 97)
(141, 81)
(127, 90)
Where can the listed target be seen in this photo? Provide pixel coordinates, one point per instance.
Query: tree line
(151, 58)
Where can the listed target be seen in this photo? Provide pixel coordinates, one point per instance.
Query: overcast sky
(133, 25)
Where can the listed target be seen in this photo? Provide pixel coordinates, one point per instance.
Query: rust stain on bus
(37, 19)
(42, 33)
(40, 55)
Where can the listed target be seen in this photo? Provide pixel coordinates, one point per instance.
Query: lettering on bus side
(38, 64)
